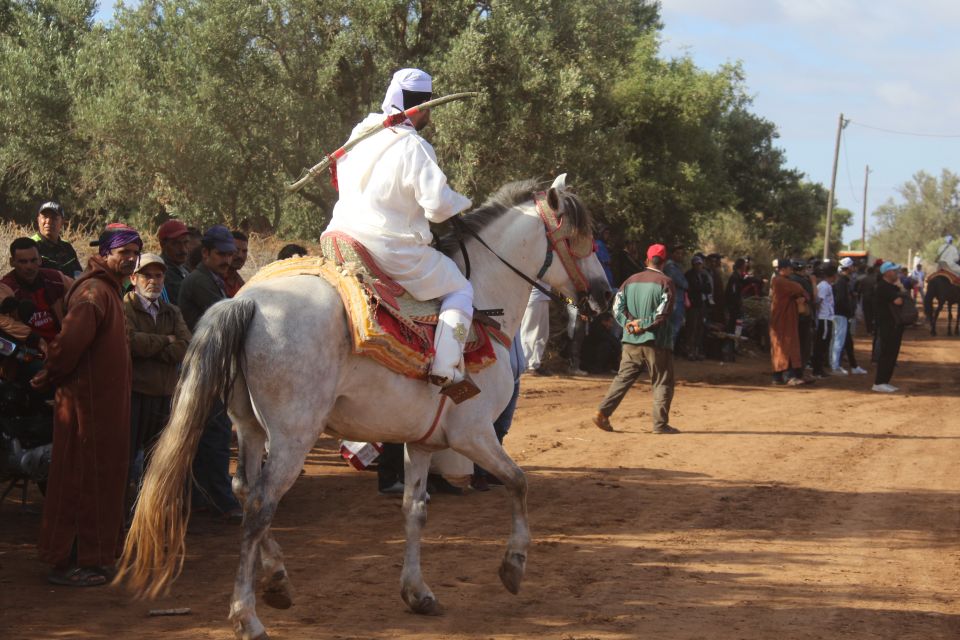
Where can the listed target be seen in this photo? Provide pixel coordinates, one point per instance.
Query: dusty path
(822, 512)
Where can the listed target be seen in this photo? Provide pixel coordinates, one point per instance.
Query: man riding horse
(948, 257)
(391, 188)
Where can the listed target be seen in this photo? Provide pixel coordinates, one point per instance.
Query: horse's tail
(153, 553)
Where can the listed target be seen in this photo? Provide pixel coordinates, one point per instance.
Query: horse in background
(281, 353)
(941, 290)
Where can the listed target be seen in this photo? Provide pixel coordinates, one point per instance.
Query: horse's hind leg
(278, 474)
(486, 451)
(413, 589)
(275, 587)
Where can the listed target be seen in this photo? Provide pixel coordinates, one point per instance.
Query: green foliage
(730, 235)
(930, 210)
(39, 147)
(841, 218)
(204, 109)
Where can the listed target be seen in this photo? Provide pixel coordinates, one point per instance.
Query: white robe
(390, 190)
(947, 257)
(535, 327)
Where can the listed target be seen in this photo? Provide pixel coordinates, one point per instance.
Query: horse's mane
(509, 196)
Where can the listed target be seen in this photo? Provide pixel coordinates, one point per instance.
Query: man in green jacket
(643, 307)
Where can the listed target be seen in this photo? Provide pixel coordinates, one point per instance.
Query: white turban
(409, 79)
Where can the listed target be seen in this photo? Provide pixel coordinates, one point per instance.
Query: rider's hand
(898, 301)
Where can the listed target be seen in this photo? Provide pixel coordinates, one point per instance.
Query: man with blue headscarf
(83, 513)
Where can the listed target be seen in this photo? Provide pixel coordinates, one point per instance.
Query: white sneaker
(840, 371)
(860, 371)
(883, 388)
(893, 387)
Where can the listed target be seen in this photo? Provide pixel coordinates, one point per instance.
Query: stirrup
(458, 391)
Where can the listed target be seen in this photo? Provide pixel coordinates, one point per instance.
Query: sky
(882, 63)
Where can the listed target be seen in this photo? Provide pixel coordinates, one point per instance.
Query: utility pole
(863, 232)
(833, 185)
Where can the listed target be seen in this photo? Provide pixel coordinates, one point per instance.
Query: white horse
(281, 351)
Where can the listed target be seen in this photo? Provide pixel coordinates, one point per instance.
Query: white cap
(409, 79)
(146, 259)
(846, 263)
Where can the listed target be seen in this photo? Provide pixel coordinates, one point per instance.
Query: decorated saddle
(387, 324)
(949, 275)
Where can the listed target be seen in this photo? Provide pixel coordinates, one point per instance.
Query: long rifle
(390, 121)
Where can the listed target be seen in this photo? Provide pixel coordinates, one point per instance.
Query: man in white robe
(535, 328)
(390, 190)
(948, 255)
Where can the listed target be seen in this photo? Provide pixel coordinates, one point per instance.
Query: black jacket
(886, 293)
(844, 303)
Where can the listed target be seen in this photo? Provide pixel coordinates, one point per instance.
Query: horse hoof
(425, 606)
(276, 591)
(428, 606)
(511, 571)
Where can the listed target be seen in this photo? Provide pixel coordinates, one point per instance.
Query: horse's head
(574, 269)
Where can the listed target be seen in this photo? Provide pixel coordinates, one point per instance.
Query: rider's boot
(448, 369)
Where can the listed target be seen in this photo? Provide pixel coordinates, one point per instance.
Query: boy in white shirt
(825, 312)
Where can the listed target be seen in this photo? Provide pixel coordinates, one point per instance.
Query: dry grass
(262, 249)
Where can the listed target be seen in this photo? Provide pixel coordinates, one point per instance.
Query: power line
(846, 160)
(906, 133)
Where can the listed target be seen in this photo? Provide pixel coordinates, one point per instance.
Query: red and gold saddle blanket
(949, 275)
(386, 323)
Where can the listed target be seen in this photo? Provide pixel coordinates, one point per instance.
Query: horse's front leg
(413, 589)
(485, 450)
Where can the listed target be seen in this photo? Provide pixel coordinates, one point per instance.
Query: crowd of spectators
(805, 312)
(114, 334)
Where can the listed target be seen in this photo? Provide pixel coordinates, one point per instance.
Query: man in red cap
(643, 307)
(174, 238)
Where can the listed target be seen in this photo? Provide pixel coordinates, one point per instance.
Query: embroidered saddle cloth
(949, 275)
(386, 323)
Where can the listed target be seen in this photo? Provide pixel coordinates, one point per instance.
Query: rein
(460, 227)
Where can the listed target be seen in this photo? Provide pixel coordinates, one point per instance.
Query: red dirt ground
(819, 512)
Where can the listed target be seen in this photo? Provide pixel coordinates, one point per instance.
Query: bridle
(562, 240)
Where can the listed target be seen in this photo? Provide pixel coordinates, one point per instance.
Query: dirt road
(819, 512)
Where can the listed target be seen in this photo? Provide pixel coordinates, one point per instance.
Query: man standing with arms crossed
(643, 307)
